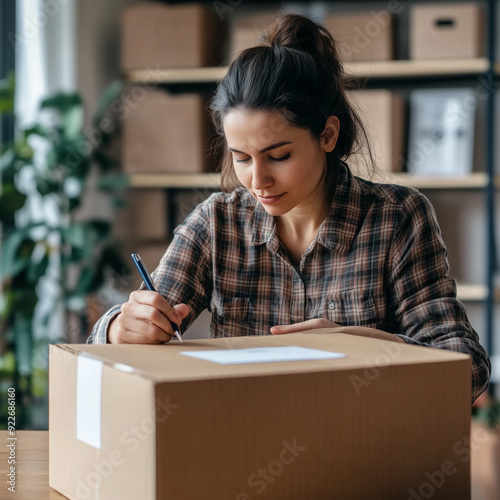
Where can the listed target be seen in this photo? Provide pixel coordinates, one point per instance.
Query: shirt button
(331, 306)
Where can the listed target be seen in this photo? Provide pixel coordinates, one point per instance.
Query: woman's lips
(267, 200)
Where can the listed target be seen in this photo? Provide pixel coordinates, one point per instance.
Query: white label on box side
(89, 401)
(262, 355)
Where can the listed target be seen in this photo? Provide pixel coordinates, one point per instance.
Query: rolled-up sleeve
(421, 295)
(183, 275)
(99, 333)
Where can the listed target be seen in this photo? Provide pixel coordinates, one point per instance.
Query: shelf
(176, 75)
(372, 69)
(423, 68)
(179, 181)
(212, 181)
(473, 181)
(472, 293)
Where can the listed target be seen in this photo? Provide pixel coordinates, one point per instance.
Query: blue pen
(150, 285)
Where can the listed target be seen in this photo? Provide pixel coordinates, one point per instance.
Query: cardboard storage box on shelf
(362, 36)
(167, 133)
(245, 30)
(388, 420)
(149, 214)
(170, 36)
(450, 30)
(383, 115)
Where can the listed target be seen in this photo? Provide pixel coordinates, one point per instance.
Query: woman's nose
(260, 175)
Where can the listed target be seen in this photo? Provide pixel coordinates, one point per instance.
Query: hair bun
(298, 32)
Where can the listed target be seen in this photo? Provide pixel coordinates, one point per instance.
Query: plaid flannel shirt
(377, 261)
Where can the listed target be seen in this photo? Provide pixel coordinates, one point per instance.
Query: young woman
(298, 242)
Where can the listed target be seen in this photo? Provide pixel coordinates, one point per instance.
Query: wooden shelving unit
(475, 180)
(406, 74)
(375, 69)
(212, 181)
(471, 293)
(175, 181)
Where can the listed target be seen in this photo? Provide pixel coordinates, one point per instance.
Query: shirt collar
(264, 228)
(337, 231)
(347, 211)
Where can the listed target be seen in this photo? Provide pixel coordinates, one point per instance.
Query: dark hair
(295, 70)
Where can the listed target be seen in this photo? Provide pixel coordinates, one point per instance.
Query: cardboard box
(149, 214)
(165, 132)
(388, 421)
(170, 36)
(452, 30)
(383, 115)
(363, 36)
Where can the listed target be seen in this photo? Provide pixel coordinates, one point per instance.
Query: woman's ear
(329, 136)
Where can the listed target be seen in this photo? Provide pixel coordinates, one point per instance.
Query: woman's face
(281, 165)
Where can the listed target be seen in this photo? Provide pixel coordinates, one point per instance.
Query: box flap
(166, 363)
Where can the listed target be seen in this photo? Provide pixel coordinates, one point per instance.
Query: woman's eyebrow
(272, 146)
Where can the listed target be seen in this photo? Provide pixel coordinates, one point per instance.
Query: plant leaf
(38, 269)
(16, 252)
(71, 110)
(11, 200)
(7, 91)
(113, 182)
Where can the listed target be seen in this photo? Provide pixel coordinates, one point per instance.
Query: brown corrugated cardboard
(149, 214)
(387, 421)
(169, 36)
(362, 36)
(382, 113)
(451, 30)
(164, 132)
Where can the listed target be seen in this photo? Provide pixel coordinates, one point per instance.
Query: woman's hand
(311, 324)
(144, 319)
(314, 324)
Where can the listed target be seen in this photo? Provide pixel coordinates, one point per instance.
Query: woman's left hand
(314, 324)
(311, 324)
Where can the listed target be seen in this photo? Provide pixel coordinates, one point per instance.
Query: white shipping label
(263, 355)
(89, 401)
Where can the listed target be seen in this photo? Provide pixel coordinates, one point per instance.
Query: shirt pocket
(230, 317)
(349, 308)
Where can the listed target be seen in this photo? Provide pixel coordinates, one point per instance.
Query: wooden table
(32, 466)
(32, 462)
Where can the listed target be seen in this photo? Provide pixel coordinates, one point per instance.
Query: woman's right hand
(144, 319)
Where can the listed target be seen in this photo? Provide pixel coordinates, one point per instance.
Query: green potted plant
(44, 175)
